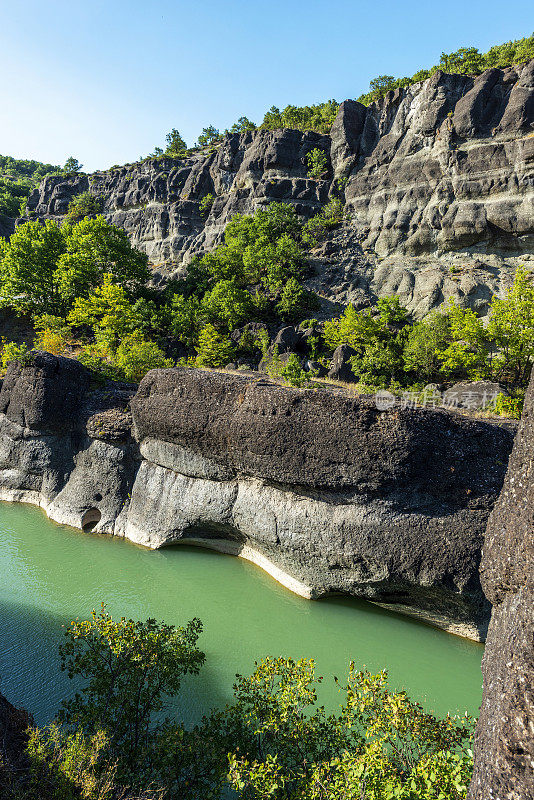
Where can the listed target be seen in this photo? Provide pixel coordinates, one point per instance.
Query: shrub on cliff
(135, 356)
(83, 205)
(319, 225)
(317, 163)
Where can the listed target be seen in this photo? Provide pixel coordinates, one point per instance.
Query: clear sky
(106, 80)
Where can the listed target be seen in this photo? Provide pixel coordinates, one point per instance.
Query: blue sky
(105, 81)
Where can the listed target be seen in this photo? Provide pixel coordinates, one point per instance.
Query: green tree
(128, 668)
(511, 328)
(317, 162)
(466, 60)
(136, 356)
(227, 305)
(72, 165)
(175, 144)
(381, 746)
(469, 349)
(425, 341)
(243, 125)
(83, 205)
(186, 318)
(213, 349)
(294, 301)
(44, 267)
(209, 135)
(29, 280)
(94, 247)
(108, 310)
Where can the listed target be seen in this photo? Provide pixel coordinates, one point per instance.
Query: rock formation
(326, 492)
(14, 724)
(504, 743)
(438, 182)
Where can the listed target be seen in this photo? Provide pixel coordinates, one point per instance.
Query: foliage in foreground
(274, 741)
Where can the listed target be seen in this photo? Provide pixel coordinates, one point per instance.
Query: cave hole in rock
(91, 518)
(97, 497)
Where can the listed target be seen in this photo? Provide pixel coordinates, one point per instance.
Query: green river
(50, 573)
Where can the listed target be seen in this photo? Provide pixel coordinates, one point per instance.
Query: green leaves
(128, 668)
(43, 268)
(381, 746)
(317, 163)
(213, 349)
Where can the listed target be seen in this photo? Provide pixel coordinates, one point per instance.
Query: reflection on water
(50, 574)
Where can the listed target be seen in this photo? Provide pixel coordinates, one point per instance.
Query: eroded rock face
(504, 743)
(327, 493)
(438, 180)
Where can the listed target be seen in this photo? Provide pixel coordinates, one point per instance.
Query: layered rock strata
(327, 493)
(438, 180)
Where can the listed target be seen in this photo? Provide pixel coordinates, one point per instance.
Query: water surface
(50, 573)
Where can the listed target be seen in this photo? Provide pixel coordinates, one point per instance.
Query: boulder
(44, 392)
(340, 368)
(473, 395)
(316, 367)
(289, 339)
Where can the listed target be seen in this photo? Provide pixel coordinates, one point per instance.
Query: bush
(317, 162)
(83, 205)
(381, 746)
(294, 301)
(292, 372)
(11, 351)
(213, 349)
(128, 669)
(317, 227)
(509, 406)
(226, 304)
(53, 341)
(205, 205)
(136, 356)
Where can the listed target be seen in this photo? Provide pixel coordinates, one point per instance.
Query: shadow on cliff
(31, 678)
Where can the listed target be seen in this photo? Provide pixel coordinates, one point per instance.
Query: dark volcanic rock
(504, 742)
(318, 439)
(473, 394)
(7, 226)
(340, 368)
(327, 492)
(14, 724)
(288, 339)
(44, 392)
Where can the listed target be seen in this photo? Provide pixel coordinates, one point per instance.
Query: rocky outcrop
(327, 493)
(504, 743)
(14, 724)
(437, 177)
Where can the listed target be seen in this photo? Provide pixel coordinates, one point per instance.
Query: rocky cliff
(504, 744)
(438, 180)
(327, 493)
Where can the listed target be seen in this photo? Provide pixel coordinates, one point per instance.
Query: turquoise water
(51, 573)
